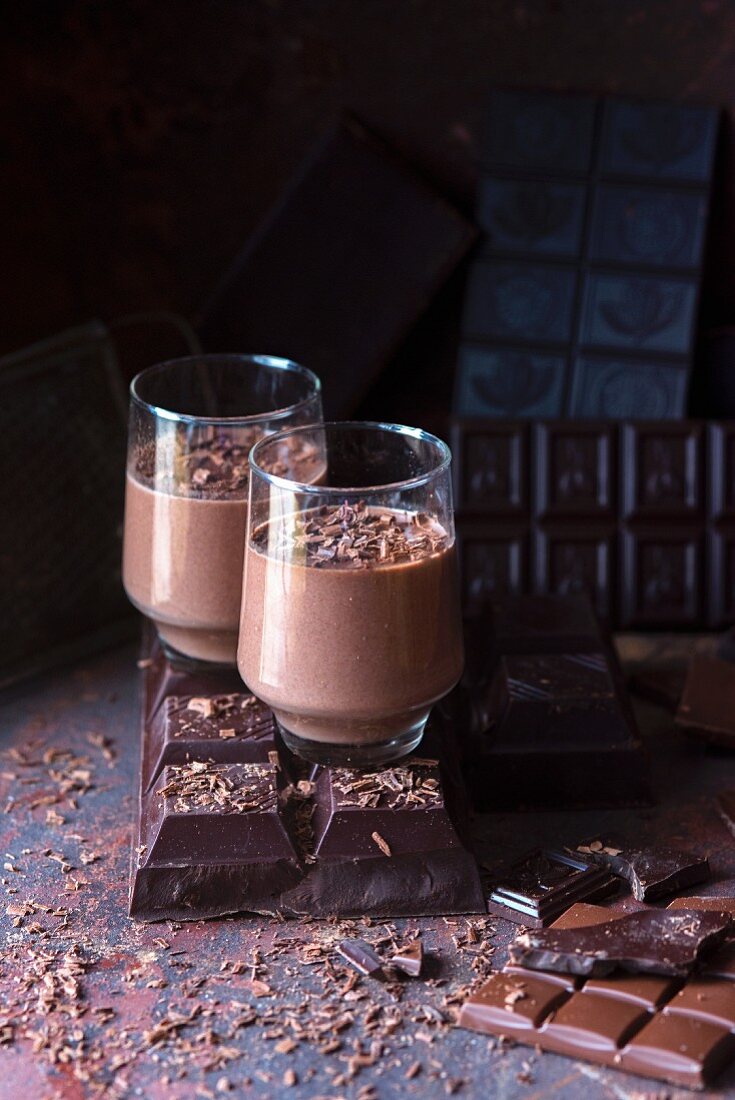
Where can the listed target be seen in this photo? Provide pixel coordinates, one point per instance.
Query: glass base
(368, 755)
(182, 662)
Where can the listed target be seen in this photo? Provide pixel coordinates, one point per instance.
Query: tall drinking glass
(350, 624)
(192, 425)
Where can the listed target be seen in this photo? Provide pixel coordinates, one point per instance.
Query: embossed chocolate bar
(640, 516)
(230, 821)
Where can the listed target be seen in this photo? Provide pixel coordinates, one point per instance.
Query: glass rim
(275, 362)
(335, 491)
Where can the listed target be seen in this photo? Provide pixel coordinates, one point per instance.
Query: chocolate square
(539, 130)
(493, 561)
(490, 466)
(234, 728)
(658, 140)
(574, 471)
(532, 217)
(641, 313)
(619, 388)
(721, 468)
(523, 301)
(508, 382)
(574, 559)
(539, 887)
(662, 471)
(661, 577)
(648, 227)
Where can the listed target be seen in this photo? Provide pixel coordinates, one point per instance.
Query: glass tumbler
(192, 424)
(350, 626)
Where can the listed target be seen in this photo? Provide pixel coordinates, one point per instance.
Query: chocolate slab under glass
(229, 821)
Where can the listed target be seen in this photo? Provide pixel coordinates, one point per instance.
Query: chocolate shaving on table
(668, 941)
(653, 871)
(354, 537)
(361, 955)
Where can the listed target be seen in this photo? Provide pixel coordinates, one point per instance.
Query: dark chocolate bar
(371, 242)
(639, 516)
(653, 872)
(546, 718)
(707, 706)
(668, 942)
(230, 821)
(583, 300)
(537, 888)
(666, 1028)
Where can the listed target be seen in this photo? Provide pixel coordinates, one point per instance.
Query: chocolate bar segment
(546, 718)
(229, 821)
(539, 887)
(226, 729)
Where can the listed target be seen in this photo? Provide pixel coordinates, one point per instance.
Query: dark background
(142, 142)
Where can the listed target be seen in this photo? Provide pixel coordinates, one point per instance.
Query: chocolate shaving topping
(405, 785)
(212, 463)
(203, 786)
(353, 536)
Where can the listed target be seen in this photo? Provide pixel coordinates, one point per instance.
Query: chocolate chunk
(716, 905)
(361, 955)
(409, 958)
(539, 887)
(546, 720)
(652, 872)
(707, 706)
(654, 942)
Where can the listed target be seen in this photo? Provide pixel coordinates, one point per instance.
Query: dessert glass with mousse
(350, 626)
(192, 424)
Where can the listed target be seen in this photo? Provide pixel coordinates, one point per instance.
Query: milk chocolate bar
(667, 1028)
(230, 821)
(546, 718)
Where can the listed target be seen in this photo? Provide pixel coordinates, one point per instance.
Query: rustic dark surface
(148, 975)
(141, 143)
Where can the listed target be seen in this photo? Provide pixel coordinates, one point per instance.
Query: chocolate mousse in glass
(350, 624)
(192, 424)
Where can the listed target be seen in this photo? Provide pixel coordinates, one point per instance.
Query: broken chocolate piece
(652, 872)
(409, 958)
(707, 707)
(652, 942)
(361, 955)
(539, 887)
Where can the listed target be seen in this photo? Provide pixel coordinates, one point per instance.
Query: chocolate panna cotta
(185, 534)
(350, 627)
